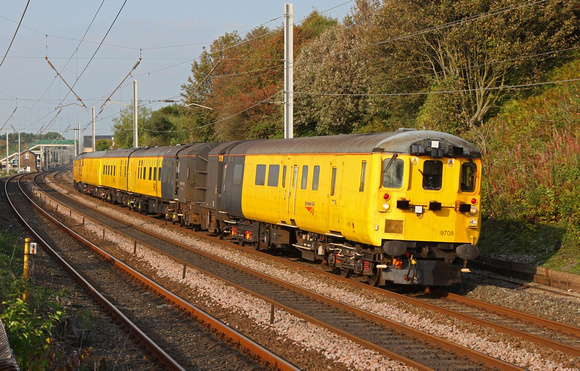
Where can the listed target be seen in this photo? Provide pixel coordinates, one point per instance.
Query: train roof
(416, 142)
(107, 154)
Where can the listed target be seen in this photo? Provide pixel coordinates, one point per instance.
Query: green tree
(442, 111)
(474, 47)
(102, 145)
(123, 126)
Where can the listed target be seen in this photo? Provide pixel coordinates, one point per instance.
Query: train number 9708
(446, 233)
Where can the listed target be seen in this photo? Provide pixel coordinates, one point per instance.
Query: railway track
(539, 330)
(335, 320)
(169, 334)
(544, 332)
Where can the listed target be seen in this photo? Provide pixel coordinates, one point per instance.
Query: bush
(30, 323)
(532, 169)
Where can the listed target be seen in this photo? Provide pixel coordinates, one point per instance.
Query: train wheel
(374, 278)
(345, 272)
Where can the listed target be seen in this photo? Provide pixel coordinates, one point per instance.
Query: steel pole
(289, 70)
(94, 134)
(135, 116)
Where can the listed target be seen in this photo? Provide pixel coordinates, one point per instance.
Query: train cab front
(429, 213)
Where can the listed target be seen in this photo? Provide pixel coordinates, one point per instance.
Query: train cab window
(315, 175)
(432, 174)
(260, 175)
(468, 171)
(363, 171)
(273, 175)
(393, 170)
(304, 182)
(238, 173)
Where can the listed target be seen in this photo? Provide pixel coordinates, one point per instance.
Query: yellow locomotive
(398, 207)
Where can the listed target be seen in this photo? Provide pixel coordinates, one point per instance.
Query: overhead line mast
(289, 70)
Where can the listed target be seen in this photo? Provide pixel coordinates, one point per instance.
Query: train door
(334, 197)
(283, 195)
(291, 199)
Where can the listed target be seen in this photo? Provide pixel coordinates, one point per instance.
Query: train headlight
(473, 222)
(386, 205)
(473, 210)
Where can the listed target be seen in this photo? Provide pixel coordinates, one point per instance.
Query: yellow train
(398, 207)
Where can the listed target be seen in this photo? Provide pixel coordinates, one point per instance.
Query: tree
(123, 126)
(476, 47)
(331, 80)
(102, 145)
(201, 85)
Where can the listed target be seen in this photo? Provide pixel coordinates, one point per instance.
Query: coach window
(304, 182)
(393, 170)
(238, 173)
(432, 174)
(468, 171)
(159, 173)
(284, 177)
(273, 175)
(260, 174)
(363, 170)
(315, 175)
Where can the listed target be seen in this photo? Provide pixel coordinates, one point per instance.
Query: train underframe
(417, 263)
(185, 214)
(421, 263)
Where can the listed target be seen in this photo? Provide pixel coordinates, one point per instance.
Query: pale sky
(167, 35)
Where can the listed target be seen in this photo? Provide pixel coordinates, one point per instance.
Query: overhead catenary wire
(118, 86)
(256, 70)
(69, 59)
(12, 114)
(63, 80)
(101, 43)
(501, 87)
(96, 51)
(15, 32)
(121, 46)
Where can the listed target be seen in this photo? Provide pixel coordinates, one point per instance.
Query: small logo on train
(309, 206)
